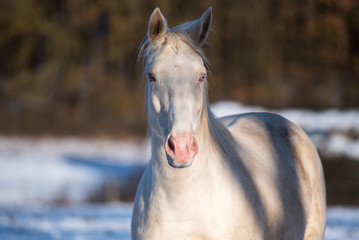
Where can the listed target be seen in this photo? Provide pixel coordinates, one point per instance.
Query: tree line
(69, 66)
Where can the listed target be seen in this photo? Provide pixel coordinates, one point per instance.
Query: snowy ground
(84, 222)
(112, 222)
(63, 170)
(36, 174)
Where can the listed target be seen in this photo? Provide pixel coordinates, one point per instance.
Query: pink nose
(181, 148)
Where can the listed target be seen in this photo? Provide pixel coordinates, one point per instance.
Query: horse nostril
(182, 148)
(171, 144)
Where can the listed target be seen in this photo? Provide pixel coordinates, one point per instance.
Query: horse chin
(173, 164)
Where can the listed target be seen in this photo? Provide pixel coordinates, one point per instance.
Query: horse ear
(157, 26)
(200, 28)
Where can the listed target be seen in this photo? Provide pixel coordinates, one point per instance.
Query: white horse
(248, 176)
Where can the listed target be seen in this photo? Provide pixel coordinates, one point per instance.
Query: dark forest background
(69, 67)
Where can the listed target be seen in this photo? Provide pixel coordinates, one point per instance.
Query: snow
(342, 223)
(330, 119)
(112, 221)
(48, 170)
(109, 221)
(37, 173)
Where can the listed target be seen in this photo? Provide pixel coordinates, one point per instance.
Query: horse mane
(218, 134)
(177, 38)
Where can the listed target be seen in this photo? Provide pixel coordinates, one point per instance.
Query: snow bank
(327, 120)
(39, 171)
(328, 129)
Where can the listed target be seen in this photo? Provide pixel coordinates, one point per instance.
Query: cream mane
(177, 39)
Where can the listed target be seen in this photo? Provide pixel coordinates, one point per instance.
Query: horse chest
(203, 223)
(212, 213)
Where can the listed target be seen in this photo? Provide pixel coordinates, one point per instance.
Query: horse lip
(173, 164)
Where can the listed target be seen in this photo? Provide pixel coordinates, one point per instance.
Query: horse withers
(249, 176)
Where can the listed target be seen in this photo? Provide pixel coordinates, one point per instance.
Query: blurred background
(72, 115)
(73, 63)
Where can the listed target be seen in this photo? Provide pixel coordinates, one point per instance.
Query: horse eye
(150, 77)
(202, 78)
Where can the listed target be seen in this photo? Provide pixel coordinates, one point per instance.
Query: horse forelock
(177, 39)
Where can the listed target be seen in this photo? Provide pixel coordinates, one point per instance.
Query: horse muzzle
(181, 149)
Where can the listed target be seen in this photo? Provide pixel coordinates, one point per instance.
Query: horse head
(176, 76)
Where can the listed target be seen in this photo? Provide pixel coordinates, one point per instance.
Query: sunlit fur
(256, 176)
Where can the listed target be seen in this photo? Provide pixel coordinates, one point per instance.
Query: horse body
(248, 176)
(286, 171)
